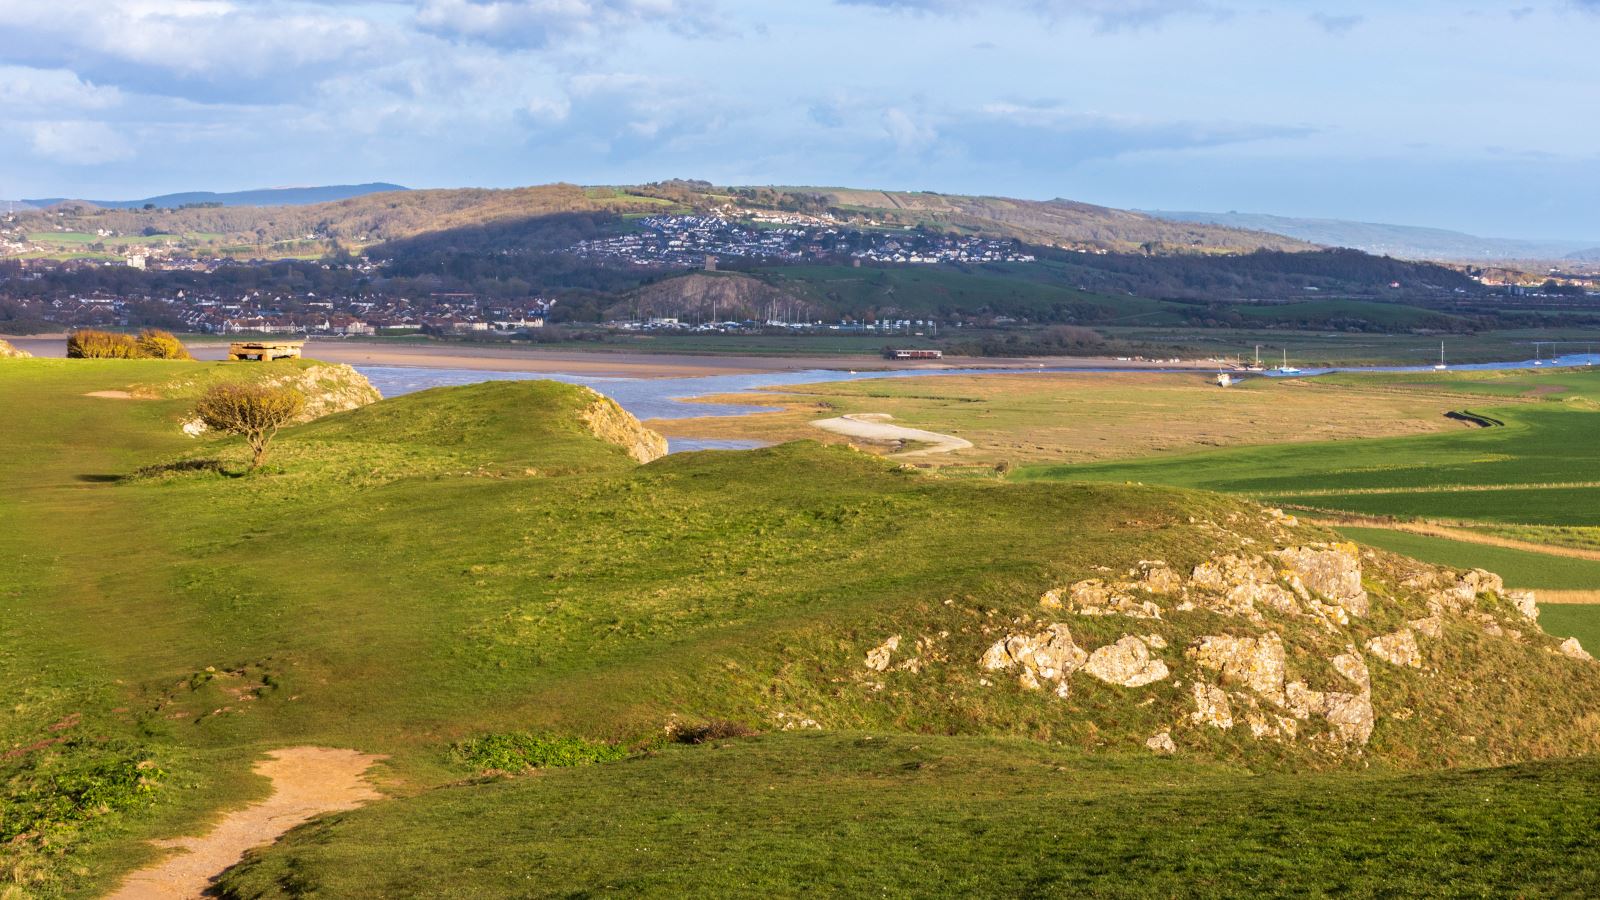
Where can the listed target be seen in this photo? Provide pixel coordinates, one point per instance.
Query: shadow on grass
(180, 467)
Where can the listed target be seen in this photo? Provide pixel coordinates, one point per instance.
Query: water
(1571, 359)
(666, 398)
(671, 398)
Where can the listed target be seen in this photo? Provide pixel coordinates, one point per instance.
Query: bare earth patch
(306, 782)
(875, 427)
(114, 395)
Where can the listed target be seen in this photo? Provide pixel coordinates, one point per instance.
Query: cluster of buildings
(256, 313)
(670, 240)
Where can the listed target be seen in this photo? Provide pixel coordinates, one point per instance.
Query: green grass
(1579, 620)
(1540, 469)
(903, 816)
(1520, 568)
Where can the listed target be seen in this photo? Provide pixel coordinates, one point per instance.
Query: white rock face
(195, 428)
(1093, 597)
(1162, 743)
(1256, 663)
(1526, 603)
(1571, 647)
(1398, 649)
(1211, 706)
(878, 657)
(1332, 570)
(1127, 663)
(1050, 655)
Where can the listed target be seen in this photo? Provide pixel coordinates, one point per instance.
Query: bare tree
(256, 411)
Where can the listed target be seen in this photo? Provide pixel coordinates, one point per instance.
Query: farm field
(1029, 418)
(483, 565)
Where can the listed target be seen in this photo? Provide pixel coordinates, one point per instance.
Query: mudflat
(610, 363)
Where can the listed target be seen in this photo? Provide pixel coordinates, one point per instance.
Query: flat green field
(1541, 468)
(1520, 568)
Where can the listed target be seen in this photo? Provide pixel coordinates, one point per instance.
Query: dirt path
(306, 782)
(1455, 534)
(875, 427)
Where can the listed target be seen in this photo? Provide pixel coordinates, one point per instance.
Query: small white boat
(1287, 369)
(1441, 366)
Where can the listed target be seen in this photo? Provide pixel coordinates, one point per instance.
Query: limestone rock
(878, 657)
(1158, 578)
(1572, 648)
(1211, 706)
(1432, 626)
(1526, 603)
(1050, 655)
(1398, 649)
(1256, 663)
(1162, 743)
(1127, 662)
(610, 422)
(1332, 570)
(1349, 713)
(1093, 597)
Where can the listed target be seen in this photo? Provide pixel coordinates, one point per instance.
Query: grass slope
(889, 815)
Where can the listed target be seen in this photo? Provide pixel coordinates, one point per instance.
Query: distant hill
(369, 217)
(296, 196)
(1408, 241)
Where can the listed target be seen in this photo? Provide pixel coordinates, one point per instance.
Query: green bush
(515, 751)
(61, 786)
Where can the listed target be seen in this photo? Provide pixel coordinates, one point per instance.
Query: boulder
(1127, 663)
(1332, 570)
(1526, 603)
(1162, 743)
(1398, 649)
(1050, 655)
(1572, 648)
(1211, 706)
(878, 657)
(1256, 663)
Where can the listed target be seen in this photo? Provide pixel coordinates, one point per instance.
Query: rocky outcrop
(1525, 602)
(1211, 706)
(1093, 597)
(1162, 743)
(1255, 663)
(9, 352)
(1332, 570)
(879, 657)
(1127, 663)
(1572, 649)
(1397, 649)
(328, 388)
(613, 424)
(1050, 655)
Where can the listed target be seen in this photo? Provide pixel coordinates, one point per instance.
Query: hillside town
(689, 241)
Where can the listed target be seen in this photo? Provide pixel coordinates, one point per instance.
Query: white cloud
(538, 23)
(25, 90)
(78, 142)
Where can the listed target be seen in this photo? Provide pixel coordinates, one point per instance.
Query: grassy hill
(411, 576)
(394, 215)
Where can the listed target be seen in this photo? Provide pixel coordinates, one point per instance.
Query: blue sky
(1476, 116)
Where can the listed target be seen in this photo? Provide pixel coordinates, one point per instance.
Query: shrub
(715, 730)
(514, 751)
(91, 344)
(154, 343)
(255, 411)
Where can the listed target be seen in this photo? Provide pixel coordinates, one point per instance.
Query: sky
(1473, 115)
